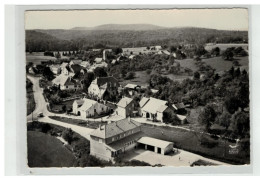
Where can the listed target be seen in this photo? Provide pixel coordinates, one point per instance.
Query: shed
(156, 145)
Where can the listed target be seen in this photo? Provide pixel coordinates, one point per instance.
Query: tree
(88, 78)
(130, 75)
(196, 75)
(231, 104)
(117, 50)
(228, 54)
(47, 73)
(240, 123)
(68, 135)
(100, 72)
(207, 117)
(224, 119)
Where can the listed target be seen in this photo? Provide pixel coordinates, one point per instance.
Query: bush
(68, 135)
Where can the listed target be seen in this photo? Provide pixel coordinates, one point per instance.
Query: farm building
(126, 107)
(66, 82)
(154, 109)
(89, 108)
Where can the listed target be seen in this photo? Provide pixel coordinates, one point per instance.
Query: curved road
(41, 106)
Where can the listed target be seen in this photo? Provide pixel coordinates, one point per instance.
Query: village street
(41, 106)
(183, 158)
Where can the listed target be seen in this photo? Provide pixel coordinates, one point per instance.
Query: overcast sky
(224, 19)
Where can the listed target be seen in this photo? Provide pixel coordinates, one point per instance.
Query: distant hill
(132, 35)
(131, 27)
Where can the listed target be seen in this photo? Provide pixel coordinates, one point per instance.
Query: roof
(153, 105)
(131, 86)
(143, 101)
(178, 106)
(124, 102)
(162, 108)
(115, 128)
(154, 90)
(76, 61)
(154, 142)
(113, 61)
(131, 56)
(63, 65)
(79, 102)
(60, 79)
(181, 117)
(121, 143)
(87, 103)
(84, 63)
(98, 60)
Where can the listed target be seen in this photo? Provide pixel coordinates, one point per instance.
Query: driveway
(181, 158)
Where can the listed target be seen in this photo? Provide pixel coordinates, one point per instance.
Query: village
(75, 88)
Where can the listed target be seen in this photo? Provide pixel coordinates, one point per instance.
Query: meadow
(47, 151)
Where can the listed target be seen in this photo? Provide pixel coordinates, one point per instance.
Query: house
(110, 140)
(182, 119)
(98, 60)
(85, 64)
(65, 69)
(66, 82)
(132, 88)
(113, 61)
(179, 108)
(100, 85)
(89, 108)
(126, 107)
(131, 57)
(75, 62)
(33, 70)
(154, 109)
(55, 69)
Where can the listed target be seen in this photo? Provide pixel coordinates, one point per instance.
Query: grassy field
(220, 64)
(141, 78)
(89, 124)
(37, 57)
(215, 148)
(217, 63)
(47, 151)
(223, 47)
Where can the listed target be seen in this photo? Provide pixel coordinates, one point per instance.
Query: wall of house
(168, 149)
(93, 89)
(99, 150)
(100, 109)
(160, 116)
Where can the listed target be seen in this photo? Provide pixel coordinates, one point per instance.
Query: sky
(222, 19)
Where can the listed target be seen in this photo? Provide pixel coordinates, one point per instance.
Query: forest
(61, 40)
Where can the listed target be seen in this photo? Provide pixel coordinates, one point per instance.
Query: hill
(134, 35)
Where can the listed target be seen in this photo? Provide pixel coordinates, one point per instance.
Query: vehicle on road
(40, 114)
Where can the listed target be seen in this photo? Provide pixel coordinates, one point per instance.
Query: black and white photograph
(137, 87)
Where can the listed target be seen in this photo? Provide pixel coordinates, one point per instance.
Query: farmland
(223, 47)
(47, 151)
(192, 142)
(37, 57)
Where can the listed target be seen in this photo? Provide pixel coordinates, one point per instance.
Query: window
(66, 86)
(100, 141)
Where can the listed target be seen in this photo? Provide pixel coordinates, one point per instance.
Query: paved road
(41, 106)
